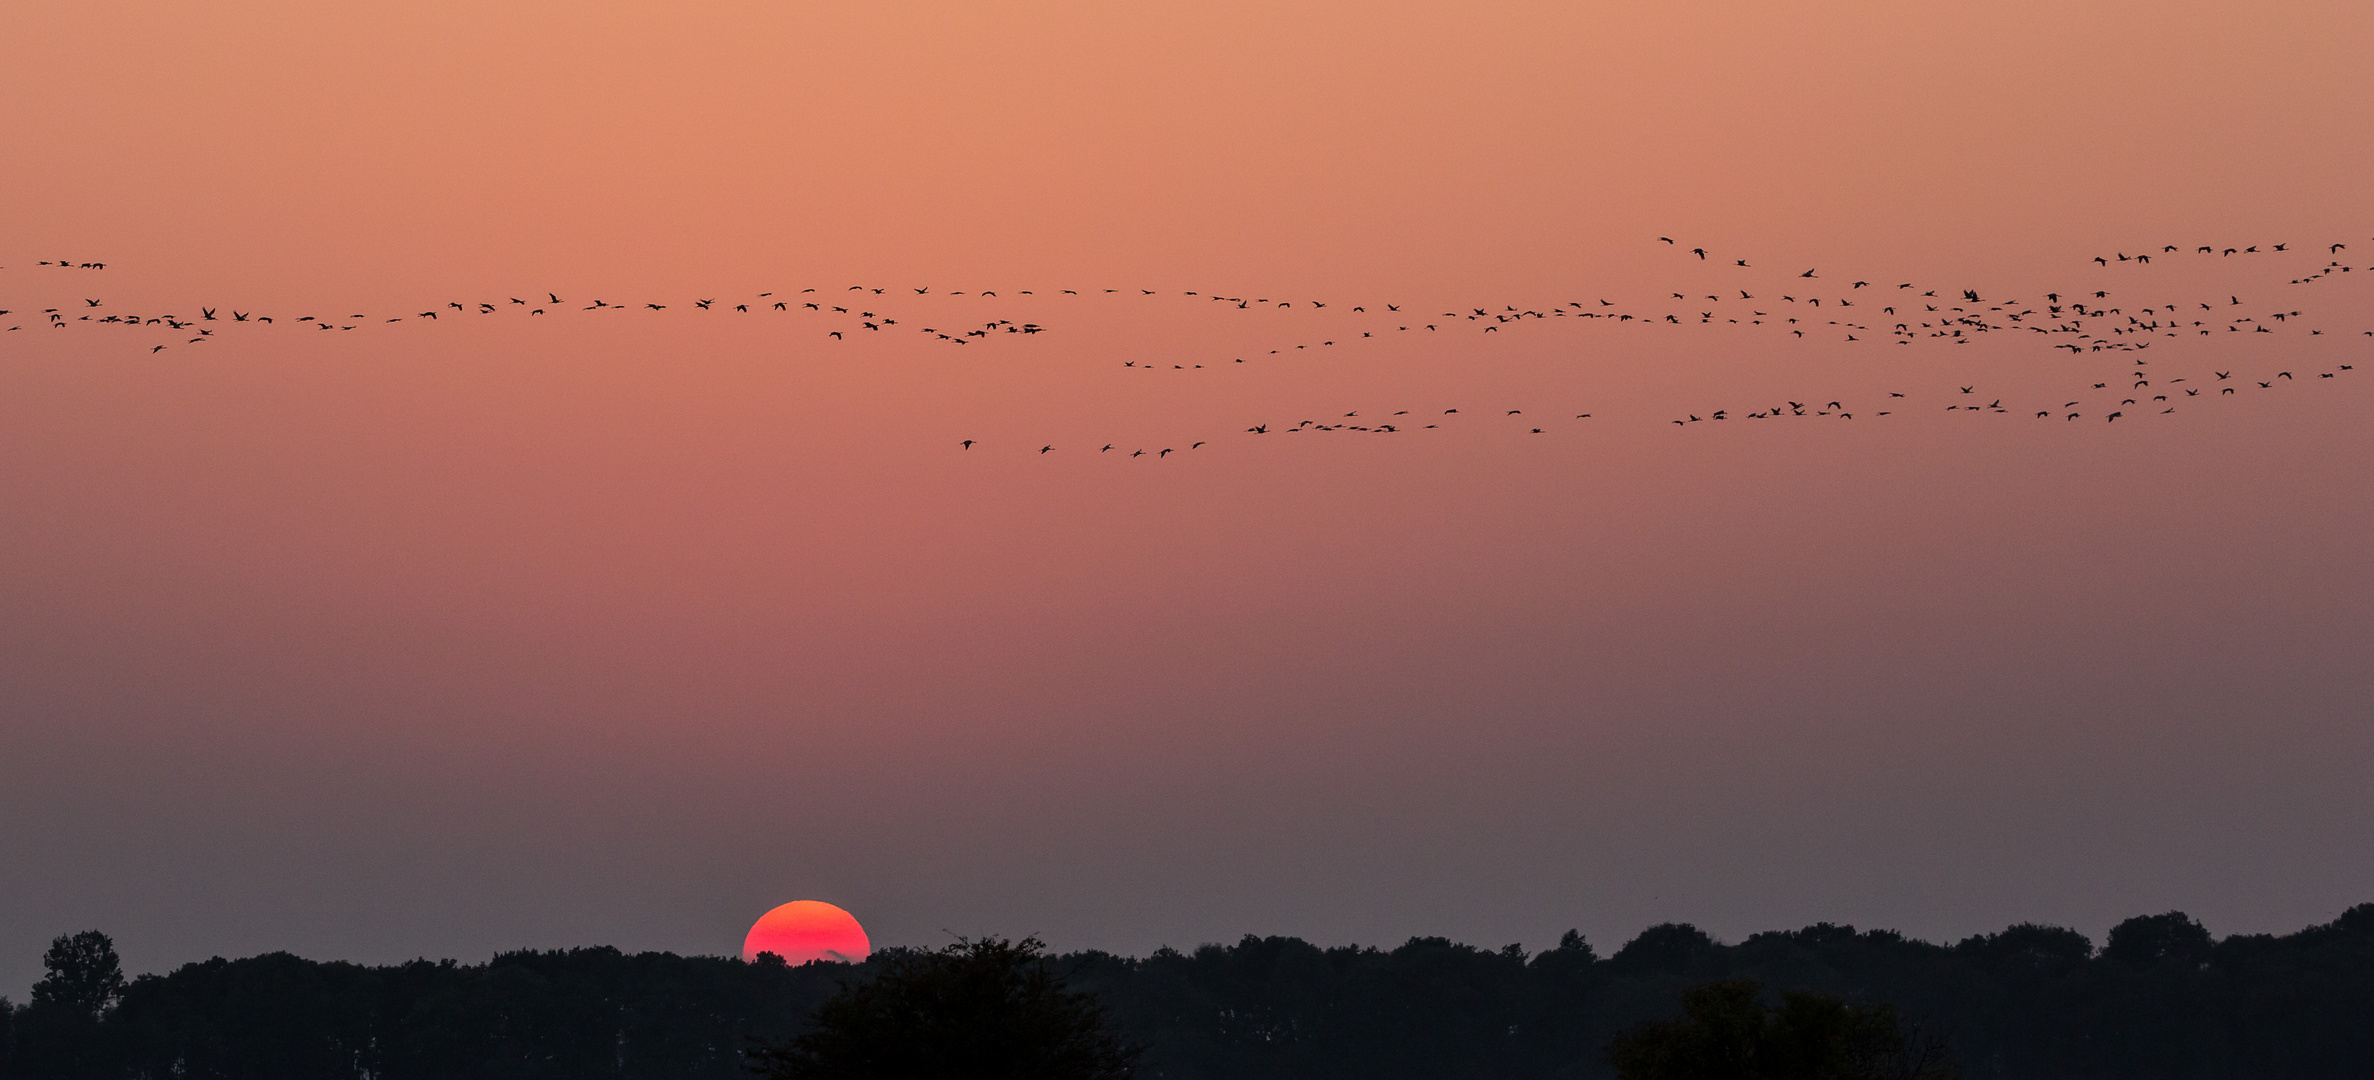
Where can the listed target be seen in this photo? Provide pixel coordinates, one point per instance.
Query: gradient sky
(443, 639)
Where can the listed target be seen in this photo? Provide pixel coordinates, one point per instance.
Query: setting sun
(805, 930)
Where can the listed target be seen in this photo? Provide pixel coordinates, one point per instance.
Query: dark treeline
(2161, 998)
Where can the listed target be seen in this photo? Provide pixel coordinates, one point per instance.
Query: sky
(494, 631)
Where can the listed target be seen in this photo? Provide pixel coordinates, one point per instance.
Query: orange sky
(446, 637)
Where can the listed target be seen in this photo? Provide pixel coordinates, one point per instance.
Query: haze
(510, 633)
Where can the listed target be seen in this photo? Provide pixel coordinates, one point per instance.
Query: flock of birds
(2111, 330)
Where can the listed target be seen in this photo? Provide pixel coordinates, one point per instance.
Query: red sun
(805, 930)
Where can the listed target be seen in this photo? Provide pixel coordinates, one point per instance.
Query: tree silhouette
(84, 977)
(59, 1033)
(2146, 940)
(2028, 1001)
(1726, 1032)
(1665, 949)
(987, 1009)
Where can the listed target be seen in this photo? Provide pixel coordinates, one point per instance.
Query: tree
(2149, 940)
(976, 1010)
(1726, 1032)
(58, 1034)
(84, 977)
(2054, 949)
(1663, 949)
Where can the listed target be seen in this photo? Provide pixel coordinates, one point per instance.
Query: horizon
(1599, 955)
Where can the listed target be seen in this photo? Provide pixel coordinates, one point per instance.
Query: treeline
(2161, 999)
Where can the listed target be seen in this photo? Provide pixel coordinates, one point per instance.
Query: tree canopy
(2163, 999)
(1727, 1032)
(62, 1032)
(986, 1009)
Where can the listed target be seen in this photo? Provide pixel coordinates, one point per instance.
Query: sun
(805, 930)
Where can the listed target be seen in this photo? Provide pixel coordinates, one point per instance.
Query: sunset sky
(499, 631)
